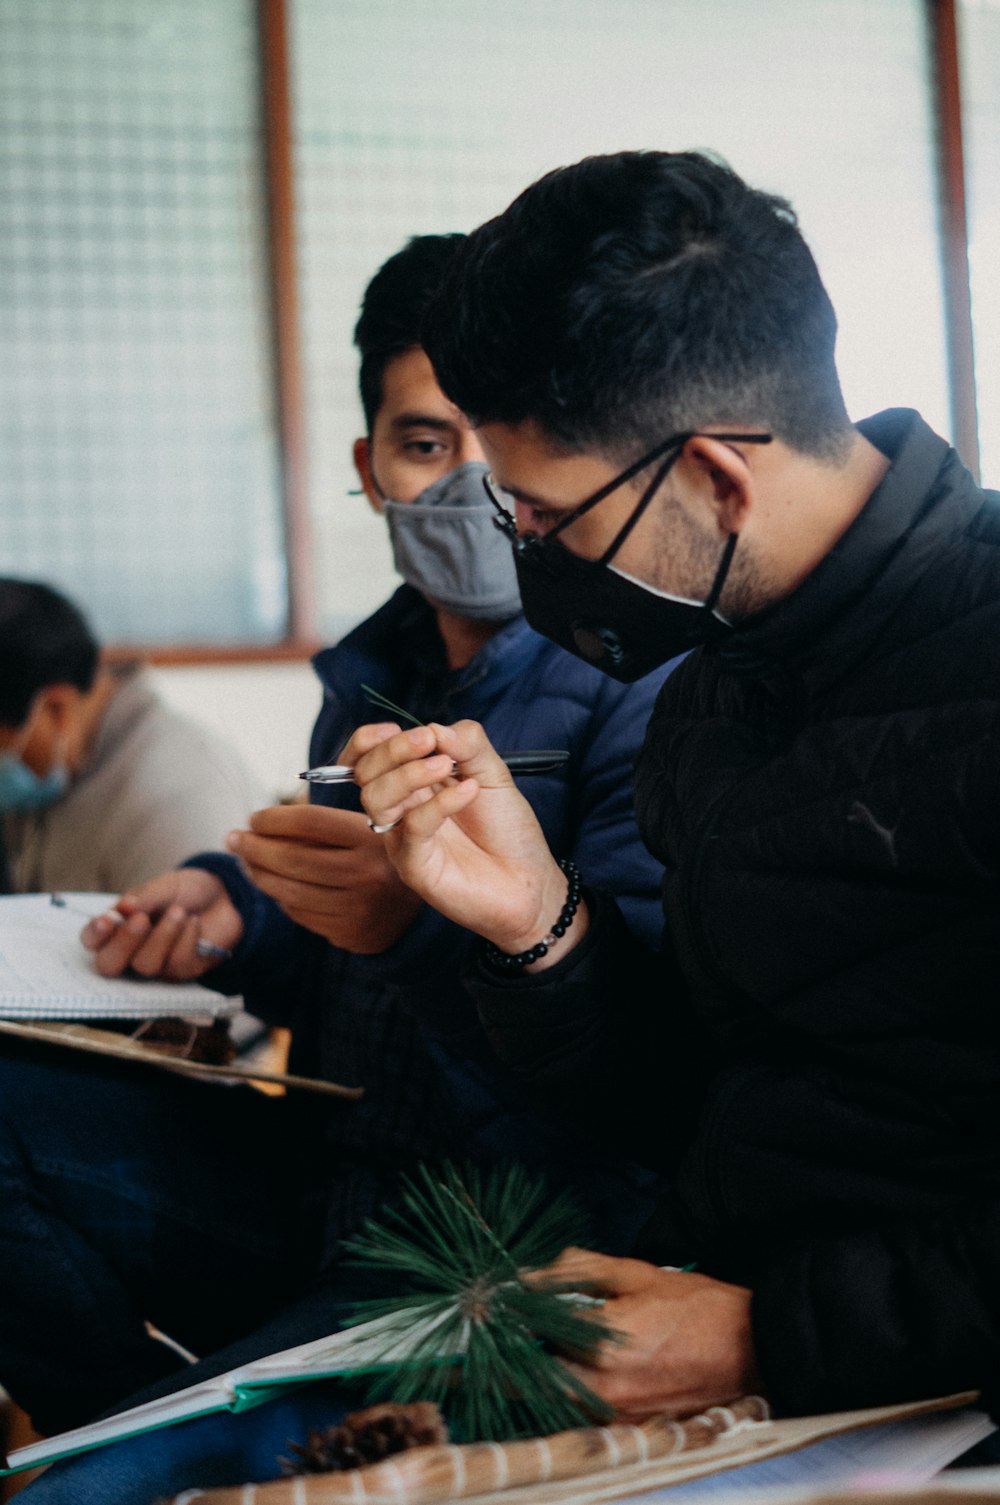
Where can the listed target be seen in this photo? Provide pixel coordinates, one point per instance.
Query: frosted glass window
(416, 116)
(980, 43)
(139, 470)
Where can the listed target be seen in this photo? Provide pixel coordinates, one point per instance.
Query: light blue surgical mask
(22, 790)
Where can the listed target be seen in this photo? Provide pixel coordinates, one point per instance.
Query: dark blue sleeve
(270, 962)
(596, 826)
(607, 847)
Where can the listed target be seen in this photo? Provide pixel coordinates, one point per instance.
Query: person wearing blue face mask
(101, 783)
(22, 788)
(49, 695)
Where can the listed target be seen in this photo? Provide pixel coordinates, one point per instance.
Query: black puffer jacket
(821, 1072)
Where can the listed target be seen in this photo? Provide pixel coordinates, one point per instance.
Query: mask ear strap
(676, 441)
(637, 511)
(507, 524)
(650, 492)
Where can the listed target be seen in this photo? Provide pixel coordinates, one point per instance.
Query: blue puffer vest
(400, 1023)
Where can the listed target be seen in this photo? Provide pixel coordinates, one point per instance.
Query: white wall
(267, 710)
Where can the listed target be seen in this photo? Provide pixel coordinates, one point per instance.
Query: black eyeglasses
(670, 448)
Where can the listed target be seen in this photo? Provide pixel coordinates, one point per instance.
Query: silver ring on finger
(389, 825)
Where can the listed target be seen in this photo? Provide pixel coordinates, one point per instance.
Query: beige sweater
(156, 789)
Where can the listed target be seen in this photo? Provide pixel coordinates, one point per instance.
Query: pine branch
(469, 1333)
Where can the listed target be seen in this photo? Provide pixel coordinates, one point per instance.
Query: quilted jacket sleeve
(275, 959)
(603, 1037)
(605, 842)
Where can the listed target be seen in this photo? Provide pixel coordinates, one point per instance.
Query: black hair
(633, 296)
(44, 640)
(393, 309)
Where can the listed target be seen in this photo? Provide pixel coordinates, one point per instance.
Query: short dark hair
(633, 296)
(394, 307)
(44, 640)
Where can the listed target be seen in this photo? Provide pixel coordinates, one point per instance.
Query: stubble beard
(687, 559)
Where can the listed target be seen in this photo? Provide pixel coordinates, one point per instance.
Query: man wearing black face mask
(646, 349)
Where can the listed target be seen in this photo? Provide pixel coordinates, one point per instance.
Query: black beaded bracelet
(507, 963)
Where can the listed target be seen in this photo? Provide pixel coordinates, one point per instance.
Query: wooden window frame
(943, 36)
(301, 640)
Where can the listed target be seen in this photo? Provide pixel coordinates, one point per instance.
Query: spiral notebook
(45, 972)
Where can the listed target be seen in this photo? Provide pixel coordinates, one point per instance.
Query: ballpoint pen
(539, 760)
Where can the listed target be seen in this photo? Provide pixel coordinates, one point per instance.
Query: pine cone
(366, 1437)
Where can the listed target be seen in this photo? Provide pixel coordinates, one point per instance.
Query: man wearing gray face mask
(446, 544)
(328, 941)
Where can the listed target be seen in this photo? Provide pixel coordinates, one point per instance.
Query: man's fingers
(364, 740)
(422, 821)
(391, 753)
(98, 930)
(391, 794)
(183, 964)
(317, 824)
(617, 1388)
(330, 867)
(148, 898)
(606, 1273)
(400, 774)
(467, 743)
(290, 893)
(578, 1264)
(115, 956)
(150, 958)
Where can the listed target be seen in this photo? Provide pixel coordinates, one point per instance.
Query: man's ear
(726, 475)
(55, 721)
(59, 705)
(363, 466)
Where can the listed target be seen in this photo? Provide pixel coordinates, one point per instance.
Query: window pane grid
(136, 401)
(431, 116)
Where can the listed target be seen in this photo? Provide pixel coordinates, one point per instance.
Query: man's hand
(330, 873)
(688, 1340)
(163, 922)
(467, 842)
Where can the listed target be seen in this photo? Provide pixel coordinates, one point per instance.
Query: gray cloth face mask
(446, 545)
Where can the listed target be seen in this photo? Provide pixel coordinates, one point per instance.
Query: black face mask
(622, 626)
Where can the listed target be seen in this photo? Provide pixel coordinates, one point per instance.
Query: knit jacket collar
(833, 619)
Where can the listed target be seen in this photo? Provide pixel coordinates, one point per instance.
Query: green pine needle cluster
(376, 698)
(466, 1331)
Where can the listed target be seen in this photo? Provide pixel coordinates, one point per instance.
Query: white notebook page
(46, 973)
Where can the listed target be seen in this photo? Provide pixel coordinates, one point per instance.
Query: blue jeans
(213, 1451)
(131, 1196)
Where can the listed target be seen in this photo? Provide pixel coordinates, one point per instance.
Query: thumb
(602, 1273)
(474, 753)
(148, 898)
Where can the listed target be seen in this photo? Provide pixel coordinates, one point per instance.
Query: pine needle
(468, 1333)
(376, 698)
